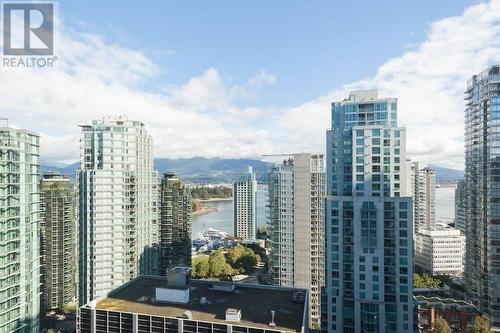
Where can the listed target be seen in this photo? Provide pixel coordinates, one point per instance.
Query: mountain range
(209, 170)
(195, 169)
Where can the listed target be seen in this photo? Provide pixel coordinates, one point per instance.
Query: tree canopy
(426, 281)
(220, 265)
(481, 325)
(205, 192)
(441, 326)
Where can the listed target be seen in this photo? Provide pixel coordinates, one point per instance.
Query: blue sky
(247, 78)
(310, 46)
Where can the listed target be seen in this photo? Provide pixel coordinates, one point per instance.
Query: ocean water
(222, 219)
(445, 203)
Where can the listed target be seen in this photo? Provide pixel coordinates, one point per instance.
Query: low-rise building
(458, 314)
(176, 304)
(440, 250)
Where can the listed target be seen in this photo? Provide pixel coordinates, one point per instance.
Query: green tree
(481, 325)
(234, 254)
(441, 326)
(426, 281)
(217, 264)
(247, 261)
(257, 249)
(69, 308)
(200, 267)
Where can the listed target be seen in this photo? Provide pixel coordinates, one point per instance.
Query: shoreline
(204, 210)
(215, 199)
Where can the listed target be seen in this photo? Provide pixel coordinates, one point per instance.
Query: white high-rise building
(440, 250)
(118, 205)
(19, 231)
(297, 190)
(369, 224)
(424, 195)
(245, 205)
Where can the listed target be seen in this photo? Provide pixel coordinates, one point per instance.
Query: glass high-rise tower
(482, 192)
(118, 205)
(19, 226)
(424, 196)
(175, 224)
(58, 241)
(369, 245)
(245, 205)
(297, 191)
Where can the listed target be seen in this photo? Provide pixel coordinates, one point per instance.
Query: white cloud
(261, 78)
(93, 79)
(203, 116)
(429, 82)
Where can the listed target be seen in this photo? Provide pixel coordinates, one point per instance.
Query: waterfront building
(296, 191)
(176, 304)
(244, 205)
(482, 192)
(118, 205)
(19, 230)
(460, 206)
(58, 236)
(369, 225)
(175, 224)
(440, 250)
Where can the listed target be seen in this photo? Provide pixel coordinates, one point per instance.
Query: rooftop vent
(233, 315)
(187, 315)
(179, 276)
(204, 301)
(272, 323)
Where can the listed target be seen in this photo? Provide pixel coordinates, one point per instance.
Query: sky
(247, 78)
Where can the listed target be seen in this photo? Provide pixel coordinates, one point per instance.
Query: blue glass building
(369, 245)
(482, 193)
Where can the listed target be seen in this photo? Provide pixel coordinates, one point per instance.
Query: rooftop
(254, 301)
(443, 302)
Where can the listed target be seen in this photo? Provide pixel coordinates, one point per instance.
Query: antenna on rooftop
(272, 323)
(4, 121)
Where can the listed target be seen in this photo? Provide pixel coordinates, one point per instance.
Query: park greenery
(213, 192)
(224, 264)
(427, 281)
(197, 205)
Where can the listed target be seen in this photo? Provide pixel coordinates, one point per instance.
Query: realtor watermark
(28, 34)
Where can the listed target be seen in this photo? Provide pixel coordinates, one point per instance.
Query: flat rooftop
(254, 301)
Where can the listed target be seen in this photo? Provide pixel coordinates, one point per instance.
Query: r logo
(23, 33)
